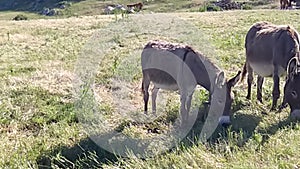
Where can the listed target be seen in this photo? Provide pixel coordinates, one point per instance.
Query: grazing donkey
(291, 88)
(284, 4)
(268, 50)
(179, 67)
(138, 6)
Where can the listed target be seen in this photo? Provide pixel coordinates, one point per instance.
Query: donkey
(291, 88)
(269, 48)
(176, 67)
(138, 6)
(284, 4)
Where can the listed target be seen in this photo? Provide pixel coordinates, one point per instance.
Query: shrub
(20, 17)
(209, 7)
(202, 8)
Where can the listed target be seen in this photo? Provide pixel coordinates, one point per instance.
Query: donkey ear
(232, 82)
(220, 80)
(292, 67)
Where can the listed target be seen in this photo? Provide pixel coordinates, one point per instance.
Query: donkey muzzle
(224, 121)
(296, 114)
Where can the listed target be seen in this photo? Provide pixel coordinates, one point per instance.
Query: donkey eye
(294, 94)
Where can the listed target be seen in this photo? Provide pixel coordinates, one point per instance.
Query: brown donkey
(138, 6)
(269, 49)
(284, 4)
(178, 67)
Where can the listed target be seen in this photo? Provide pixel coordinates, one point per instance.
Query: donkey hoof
(224, 121)
(273, 108)
(295, 115)
(226, 125)
(206, 103)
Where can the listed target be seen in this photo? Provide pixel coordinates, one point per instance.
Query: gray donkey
(269, 49)
(291, 88)
(178, 67)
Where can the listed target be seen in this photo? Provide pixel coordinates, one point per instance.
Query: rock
(109, 10)
(48, 12)
(62, 6)
(45, 11)
(131, 10)
(228, 4)
(52, 12)
(20, 17)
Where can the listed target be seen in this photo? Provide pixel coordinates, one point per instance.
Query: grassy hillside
(9, 9)
(40, 128)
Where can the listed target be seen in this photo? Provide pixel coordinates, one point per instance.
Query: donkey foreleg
(284, 103)
(183, 110)
(189, 102)
(154, 96)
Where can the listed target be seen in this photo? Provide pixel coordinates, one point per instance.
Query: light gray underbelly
(172, 87)
(266, 70)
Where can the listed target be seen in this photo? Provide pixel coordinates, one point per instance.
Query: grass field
(39, 126)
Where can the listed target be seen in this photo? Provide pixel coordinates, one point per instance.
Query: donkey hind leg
(145, 87)
(260, 81)
(276, 92)
(154, 96)
(249, 80)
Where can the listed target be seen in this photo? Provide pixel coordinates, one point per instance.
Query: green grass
(39, 125)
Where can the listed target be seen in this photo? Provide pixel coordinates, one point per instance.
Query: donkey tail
(244, 72)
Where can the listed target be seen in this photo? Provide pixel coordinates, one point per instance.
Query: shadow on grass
(241, 123)
(85, 154)
(267, 133)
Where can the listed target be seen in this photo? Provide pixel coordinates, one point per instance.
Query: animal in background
(138, 6)
(284, 4)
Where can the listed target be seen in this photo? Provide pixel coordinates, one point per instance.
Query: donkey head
(291, 88)
(228, 84)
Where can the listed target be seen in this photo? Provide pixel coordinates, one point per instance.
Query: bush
(209, 7)
(20, 17)
(202, 9)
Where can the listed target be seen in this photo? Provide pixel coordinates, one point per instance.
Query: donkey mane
(163, 45)
(157, 44)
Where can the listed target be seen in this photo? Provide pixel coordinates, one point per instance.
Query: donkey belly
(161, 79)
(266, 70)
(172, 87)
